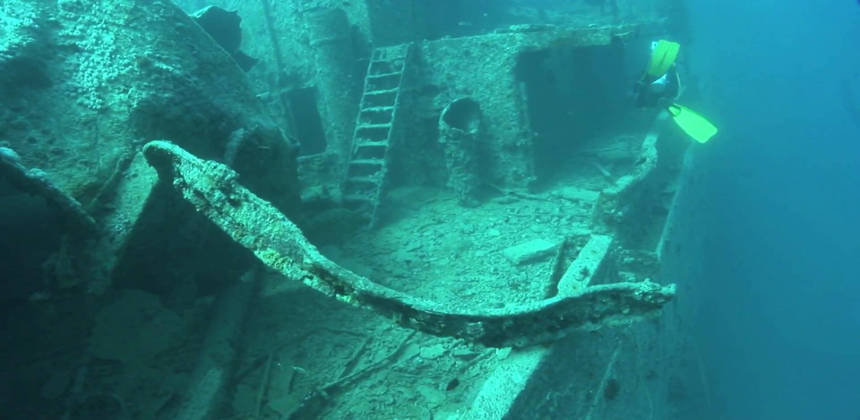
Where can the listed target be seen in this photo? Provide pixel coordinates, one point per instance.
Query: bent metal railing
(213, 189)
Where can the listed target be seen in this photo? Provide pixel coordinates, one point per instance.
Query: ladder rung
(384, 75)
(370, 144)
(376, 162)
(364, 143)
(380, 91)
(379, 101)
(373, 126)
(376, 108)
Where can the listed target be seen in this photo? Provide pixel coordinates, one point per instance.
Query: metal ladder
(366, 172)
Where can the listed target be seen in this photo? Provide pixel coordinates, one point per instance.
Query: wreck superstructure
(478, 174)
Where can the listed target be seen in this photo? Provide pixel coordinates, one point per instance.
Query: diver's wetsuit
(659, 93)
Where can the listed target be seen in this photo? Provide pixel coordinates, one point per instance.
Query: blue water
(781, 321)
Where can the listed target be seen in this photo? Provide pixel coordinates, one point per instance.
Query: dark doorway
(307, 125)
(574, 95)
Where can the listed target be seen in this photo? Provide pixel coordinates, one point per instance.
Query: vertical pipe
(337, 80)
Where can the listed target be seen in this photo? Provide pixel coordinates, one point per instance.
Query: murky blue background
(780, 326)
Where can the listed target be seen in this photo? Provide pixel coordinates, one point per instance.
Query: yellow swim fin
(695, 125)
(663, 55)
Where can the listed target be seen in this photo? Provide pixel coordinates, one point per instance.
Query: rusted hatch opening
(463, 114)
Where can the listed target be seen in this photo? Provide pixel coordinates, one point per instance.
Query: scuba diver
(660, 87)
